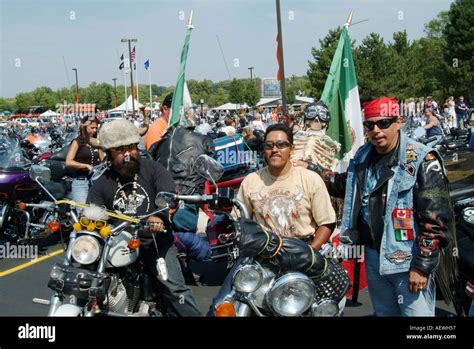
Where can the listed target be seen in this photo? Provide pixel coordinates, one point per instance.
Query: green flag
(177, 110)
(341, 95)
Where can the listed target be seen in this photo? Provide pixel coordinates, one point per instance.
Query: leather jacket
(431, 206)
(177, 150)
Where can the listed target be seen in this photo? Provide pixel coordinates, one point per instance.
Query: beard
(127, 169)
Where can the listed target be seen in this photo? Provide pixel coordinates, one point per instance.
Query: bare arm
(71, 154)
(322, 235)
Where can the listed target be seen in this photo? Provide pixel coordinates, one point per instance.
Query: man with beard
(130, 186)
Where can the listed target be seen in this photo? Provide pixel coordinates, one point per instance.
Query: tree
(319, 69)
(290, 93)
(251, 95)
(99, 94)
(236, 92)
(7, 104)
(219, 97)
(45, 97)
(23, 101)
(459, 49)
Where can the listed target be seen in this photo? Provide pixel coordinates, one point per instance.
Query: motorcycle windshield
(41, 142)
(11, 154)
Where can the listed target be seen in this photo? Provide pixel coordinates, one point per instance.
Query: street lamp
(131, 71)
(77, 89)
(251, 69)
(115, 92)
(202, 104)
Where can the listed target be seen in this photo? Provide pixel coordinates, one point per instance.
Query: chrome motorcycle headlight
(325, 308)
(247, 278)
(291, 295)
(85, 249)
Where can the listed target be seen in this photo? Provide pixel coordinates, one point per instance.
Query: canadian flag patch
(403, 224)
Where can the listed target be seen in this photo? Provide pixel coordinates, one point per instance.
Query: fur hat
(118, 133)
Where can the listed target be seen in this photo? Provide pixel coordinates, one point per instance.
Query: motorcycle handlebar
(210, 199)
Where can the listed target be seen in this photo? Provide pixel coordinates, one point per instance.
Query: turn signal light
(77, 226)
(22, 205)
(53, 226)
(225, 310)
(133, 244)
(104, 232)
(90, 227)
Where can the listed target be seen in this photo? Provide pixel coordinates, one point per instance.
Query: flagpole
(149, 78)
(280, 53)
(136, 76)
(124, 80)
(131, 71)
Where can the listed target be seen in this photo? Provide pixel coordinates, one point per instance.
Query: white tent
(127, 105)
(49, 113)
(231, 106)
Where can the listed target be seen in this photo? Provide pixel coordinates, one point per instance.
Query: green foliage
(237, 92)
(251, 94)
(459, 46)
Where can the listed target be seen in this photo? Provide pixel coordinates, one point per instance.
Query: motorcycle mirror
(208, 168)
(40, 172)
(163, 200)
(98, 171)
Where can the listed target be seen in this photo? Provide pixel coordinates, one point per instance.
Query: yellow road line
(27, 264)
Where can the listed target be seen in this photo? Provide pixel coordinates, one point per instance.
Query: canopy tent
(49, 113)
(127, 105)
(230, 106)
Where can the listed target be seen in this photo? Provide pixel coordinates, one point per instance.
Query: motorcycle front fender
(68, 310)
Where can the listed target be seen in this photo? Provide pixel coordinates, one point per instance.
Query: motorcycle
(273, 276)
(101, 274)
(462, 196)
(23, 214)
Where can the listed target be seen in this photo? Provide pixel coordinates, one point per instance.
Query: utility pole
(115, 92)
(131, 71)
(251, 69)
(280, 54)
(77, 91)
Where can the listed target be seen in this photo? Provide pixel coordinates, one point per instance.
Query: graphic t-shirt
(134, 198)
(293, 205)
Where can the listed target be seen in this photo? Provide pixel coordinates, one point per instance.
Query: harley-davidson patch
(410, 169)
(398, 257)
(411, 155)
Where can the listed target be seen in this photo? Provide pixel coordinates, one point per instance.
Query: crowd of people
(385, 206)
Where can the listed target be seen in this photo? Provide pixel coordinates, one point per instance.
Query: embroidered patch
(412, 146)
(411, 155)
(433, 166)
(403, 224)
(398, 257)
(410, 169)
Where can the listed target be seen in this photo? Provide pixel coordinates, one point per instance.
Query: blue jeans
(389, 294)
(471, 310)
(80, 191)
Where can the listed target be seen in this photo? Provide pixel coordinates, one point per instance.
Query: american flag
(133, 54)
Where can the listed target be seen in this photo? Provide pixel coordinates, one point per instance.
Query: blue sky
(35, 35)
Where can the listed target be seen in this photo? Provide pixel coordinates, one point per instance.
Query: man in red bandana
(396, 204)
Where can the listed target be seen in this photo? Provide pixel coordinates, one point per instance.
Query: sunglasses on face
(279, 144)
(381, 124)
(124, 148)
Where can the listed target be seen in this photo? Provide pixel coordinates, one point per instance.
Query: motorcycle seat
(60, 155)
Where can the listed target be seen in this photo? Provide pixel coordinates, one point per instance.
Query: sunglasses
(279, 144)
(123, 148)
(97, 224)
(381, 124)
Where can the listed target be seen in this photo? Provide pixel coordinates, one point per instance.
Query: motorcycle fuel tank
(120, 254)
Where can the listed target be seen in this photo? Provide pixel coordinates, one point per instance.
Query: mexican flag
(177, 107)
(341, 95)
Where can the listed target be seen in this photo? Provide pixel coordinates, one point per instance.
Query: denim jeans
(80, 191)
(174, 291)
(389, 294)
(471, 310)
